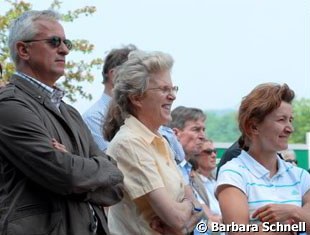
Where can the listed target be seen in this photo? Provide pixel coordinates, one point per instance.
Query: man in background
(188, 125)
(94, 117)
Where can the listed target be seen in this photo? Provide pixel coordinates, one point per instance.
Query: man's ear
(176, 131)
(110, 75)
(22, 50)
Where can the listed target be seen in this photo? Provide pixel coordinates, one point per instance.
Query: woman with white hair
(156, 200)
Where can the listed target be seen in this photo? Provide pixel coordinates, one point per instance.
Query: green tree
(222, 126)
(301, 120)
(76, 71)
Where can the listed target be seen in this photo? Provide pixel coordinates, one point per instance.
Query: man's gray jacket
(43, 190)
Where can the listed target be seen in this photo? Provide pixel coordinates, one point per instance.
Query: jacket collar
(29, 88)
(37, 94)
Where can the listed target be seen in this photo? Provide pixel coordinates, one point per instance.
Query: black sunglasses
(54, 41)
(209, 151)
(291, 161)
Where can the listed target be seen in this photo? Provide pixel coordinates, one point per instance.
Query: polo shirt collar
(140, 129)
(257, 169)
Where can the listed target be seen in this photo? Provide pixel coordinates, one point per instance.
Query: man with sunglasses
(54, 178)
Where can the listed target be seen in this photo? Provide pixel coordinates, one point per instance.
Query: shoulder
(126, 138)
(7, 91)
(234, 164)
(98, 108)
(14, 101)
(10, 92)
(73, 112)
(235, 169)
(298, 172)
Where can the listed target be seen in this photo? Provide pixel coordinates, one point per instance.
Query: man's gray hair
(181, 114)
(23, 28)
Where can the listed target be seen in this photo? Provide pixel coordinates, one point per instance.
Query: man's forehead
(197, 122)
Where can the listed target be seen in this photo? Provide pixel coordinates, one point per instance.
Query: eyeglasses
(209, 151)
(166, 90)
(291, 161)
(54, 41)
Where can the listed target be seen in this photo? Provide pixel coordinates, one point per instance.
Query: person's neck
(205, 172)
(268, 159)
(146, 122)
(108, 89)
(33, 74)
(108, 92)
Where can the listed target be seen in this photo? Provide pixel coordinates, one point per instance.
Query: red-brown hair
(261, 101)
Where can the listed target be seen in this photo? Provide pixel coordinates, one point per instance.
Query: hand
(59, 146)
(159, 226)
(274, 213)
(215, 218)
(107, 196)
(194, 219)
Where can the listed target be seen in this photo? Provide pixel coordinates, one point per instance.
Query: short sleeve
(304, 182)
(230, 174)
(136, 161)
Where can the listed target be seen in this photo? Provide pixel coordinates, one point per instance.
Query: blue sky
(222, 48)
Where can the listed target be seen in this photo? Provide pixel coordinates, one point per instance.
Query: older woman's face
(207, 157)
(156, 104)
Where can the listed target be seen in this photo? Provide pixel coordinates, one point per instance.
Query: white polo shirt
(287, 186)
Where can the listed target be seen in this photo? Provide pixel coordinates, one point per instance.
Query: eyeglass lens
(210, 151)
(166, 89)
(56, 41)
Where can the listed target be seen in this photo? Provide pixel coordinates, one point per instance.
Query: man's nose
(63, 49)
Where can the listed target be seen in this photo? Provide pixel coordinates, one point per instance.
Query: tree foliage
(76, 71)
(301, 120)
(223, 126)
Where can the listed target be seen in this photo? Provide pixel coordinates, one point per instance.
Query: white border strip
(308, 143)
(290, 146)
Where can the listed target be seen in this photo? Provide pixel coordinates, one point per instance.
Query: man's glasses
(209, 151)
(291, 161)
(54, 41)
(166, 90)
